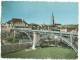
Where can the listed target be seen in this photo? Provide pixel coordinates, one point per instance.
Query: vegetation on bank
(44, 53)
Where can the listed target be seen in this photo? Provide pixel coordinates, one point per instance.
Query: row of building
(20, 23)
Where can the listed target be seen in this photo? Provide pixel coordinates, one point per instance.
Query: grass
(41, 53)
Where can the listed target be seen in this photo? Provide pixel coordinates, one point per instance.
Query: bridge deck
(47, 31)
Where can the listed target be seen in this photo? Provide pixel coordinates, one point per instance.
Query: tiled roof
(16, 20)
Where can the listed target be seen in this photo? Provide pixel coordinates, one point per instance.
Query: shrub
(12, 40)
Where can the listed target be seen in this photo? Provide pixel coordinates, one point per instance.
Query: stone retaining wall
(14, 47)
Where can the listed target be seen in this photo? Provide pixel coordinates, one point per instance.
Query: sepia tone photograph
(39, 30)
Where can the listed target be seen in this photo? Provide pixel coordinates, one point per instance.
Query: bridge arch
(36, 37)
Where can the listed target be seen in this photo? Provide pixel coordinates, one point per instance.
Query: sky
(40, 12)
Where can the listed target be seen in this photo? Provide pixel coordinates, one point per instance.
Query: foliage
(12, 40)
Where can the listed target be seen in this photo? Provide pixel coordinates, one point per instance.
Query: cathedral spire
(52, 19)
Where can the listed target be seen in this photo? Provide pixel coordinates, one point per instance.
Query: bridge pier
(34, 40)
(14, 34)
(71, 39)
